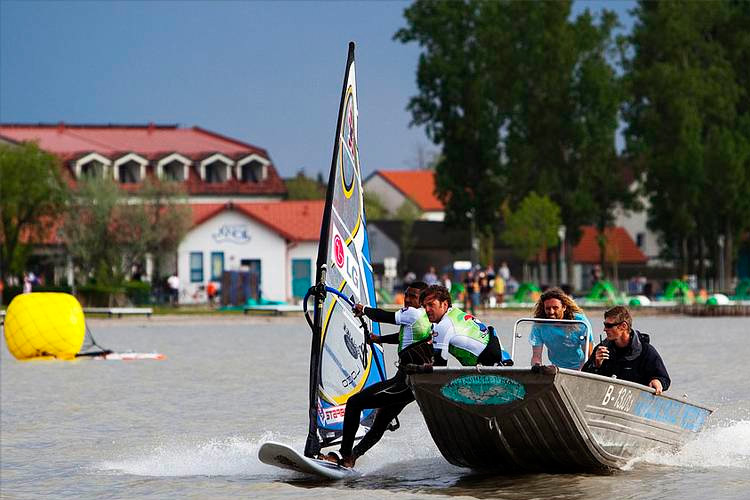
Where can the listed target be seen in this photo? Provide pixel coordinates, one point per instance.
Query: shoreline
(207, 317)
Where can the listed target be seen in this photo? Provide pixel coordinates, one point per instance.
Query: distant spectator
(27, 284)
(409, 278)
(174, 288)
(596, 274)
(430, 277)
(211, 292)
(498, 288)
(446, 281)
(504, 271)
(511, 286)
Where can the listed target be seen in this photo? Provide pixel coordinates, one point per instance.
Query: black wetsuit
(637, 362)
(389, 396)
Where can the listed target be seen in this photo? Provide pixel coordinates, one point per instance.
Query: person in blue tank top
(565, 343)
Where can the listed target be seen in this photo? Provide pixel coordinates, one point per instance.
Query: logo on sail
(348, 151)
(346, 263)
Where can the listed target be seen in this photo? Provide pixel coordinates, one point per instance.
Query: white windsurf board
(281, 455)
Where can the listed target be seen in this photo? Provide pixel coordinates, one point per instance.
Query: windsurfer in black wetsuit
(391, 396)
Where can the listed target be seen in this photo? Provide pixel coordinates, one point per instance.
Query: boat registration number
(621, 400)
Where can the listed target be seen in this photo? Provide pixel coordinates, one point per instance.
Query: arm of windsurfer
(379, 316)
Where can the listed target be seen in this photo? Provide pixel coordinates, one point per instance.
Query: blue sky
(268, 73)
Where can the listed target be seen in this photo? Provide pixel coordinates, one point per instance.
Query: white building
(275, 243)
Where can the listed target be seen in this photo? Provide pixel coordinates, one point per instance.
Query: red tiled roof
(70, 142)
(293, 220)
(620, 247)
(148, 140)
(416, 185)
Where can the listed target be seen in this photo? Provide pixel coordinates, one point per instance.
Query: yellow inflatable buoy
(44, 324)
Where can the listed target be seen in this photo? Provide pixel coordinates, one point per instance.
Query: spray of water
(230, 456)
(726, 444)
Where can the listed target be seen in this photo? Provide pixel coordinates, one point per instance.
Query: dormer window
(92, 169)
(253, 168)
(91, 165)
(173, 168)
(216, 169)
(130, 168)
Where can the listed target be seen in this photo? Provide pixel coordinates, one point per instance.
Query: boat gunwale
(565, 371)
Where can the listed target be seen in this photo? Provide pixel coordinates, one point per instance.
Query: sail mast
(312, 445)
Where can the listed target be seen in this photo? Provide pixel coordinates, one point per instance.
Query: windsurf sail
(342, 361)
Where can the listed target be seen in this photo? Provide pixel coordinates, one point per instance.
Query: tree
(98, 242)
(163, 218)
(687, 119)
(519, 98)
(408, 214)
(455, 105)
(107, 234)
(532, 228)
(32, 195)
(302, 187)
(374, 207)
(565, 96)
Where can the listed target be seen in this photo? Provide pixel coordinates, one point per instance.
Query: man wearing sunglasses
(627, 353)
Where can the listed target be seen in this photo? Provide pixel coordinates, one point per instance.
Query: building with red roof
(620, 247)
(212, 167)
(417, 187)
(273, 246)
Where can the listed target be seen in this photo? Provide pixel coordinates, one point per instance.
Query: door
(301, 277)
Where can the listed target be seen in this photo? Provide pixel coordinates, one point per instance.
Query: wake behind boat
(548, 419)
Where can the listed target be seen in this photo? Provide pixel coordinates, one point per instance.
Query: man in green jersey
(414, 340)
(469, 340)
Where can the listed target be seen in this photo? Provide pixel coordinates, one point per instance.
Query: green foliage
(32, 193)
(374, 207)
(532, 228)
(454, 104)
(162, 216)
(408, 214)
(302, 187)
(520, 98)
(107, 234)
(688, 118)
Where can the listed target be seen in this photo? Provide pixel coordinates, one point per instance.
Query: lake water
(190, 426)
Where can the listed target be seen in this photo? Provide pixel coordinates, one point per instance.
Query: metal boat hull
(548, 419)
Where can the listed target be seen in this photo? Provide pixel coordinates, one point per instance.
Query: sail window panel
(216, 172)
(174, 171)
(196, 267)
(129, 172)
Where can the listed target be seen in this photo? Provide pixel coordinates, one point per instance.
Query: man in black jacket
(627, 353)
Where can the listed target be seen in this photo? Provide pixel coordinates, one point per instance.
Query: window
(217, 265)
(640, 239)
(216, 172)
(93, 168)
(196, 267)
(129, 172)
(252, 172)
(174, 171)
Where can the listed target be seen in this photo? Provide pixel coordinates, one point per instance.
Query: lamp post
(474, 252)
(562, 270)
(720, 241)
